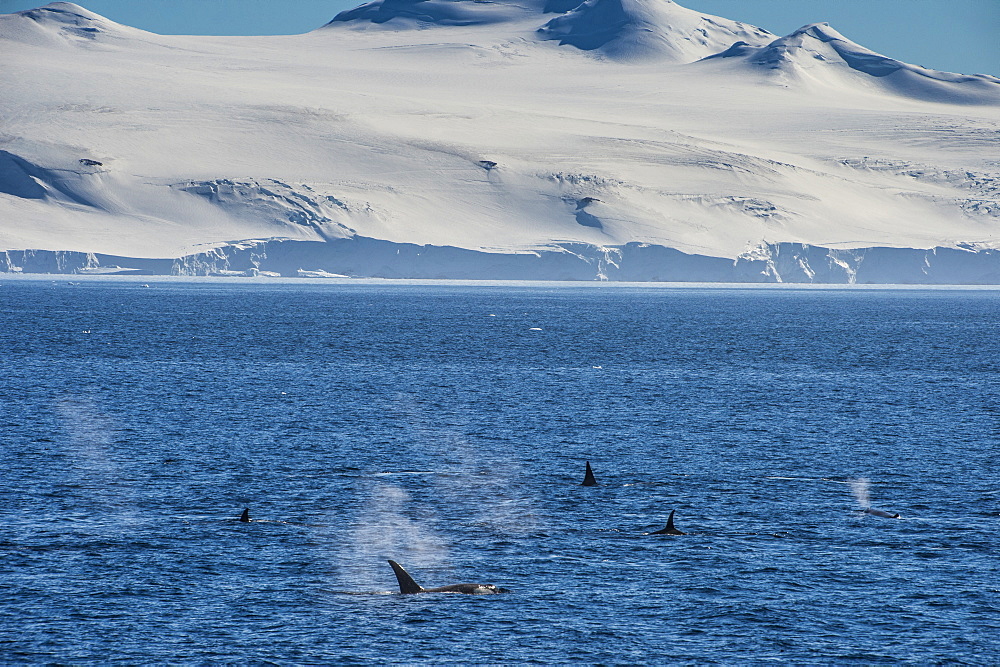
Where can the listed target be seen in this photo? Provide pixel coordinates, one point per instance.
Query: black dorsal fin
(588, 477)
(245, 517)
(406, 582)
(670, 529)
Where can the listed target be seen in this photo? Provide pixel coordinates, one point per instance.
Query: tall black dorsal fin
(671, 530)
(406, 582)
(245, 517)
(588, 477)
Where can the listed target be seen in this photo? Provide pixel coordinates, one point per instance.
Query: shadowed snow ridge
(427, 13)
(645, 29)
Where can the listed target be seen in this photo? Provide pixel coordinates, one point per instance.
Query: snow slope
(507, 128)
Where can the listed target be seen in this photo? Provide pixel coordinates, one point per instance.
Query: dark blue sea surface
(447, 427)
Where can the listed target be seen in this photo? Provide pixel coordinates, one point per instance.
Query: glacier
(623, 140)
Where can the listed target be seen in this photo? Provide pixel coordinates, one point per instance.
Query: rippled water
(447, 427)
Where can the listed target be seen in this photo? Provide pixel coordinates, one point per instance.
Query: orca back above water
(588, 477)
(670, 529)
(245, 517)
(881, 513)
(408, 586)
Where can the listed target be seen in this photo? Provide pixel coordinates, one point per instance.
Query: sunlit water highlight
(446, 427)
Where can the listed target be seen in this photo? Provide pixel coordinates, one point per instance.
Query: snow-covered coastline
(371, 258)
(618, 140)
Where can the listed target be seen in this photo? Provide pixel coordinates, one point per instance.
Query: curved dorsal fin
(670, 529)
(406, 582)
(245, 517)
(588, 477)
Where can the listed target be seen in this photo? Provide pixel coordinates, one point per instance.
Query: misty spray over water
(383, 531)
(89, 441)
(457, 483)
(470, 480)
(859, 489)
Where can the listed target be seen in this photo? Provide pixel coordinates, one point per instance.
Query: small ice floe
(535, 329)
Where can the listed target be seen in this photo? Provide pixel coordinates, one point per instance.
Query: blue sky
(954, 35)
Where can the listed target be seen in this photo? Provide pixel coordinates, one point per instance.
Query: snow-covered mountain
(623, 139)
(817, 54)
(634, 30)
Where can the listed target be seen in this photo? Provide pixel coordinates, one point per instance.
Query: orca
(881, 513)
(588, 477)
(669, 530)
(245, 517)
(408, 586)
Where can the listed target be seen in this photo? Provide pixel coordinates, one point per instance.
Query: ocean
(447, 426)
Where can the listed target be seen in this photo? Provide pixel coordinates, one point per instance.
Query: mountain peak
(818, 54)
(648, 29)
(851, 53)
(63, 12)
(59, 23)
